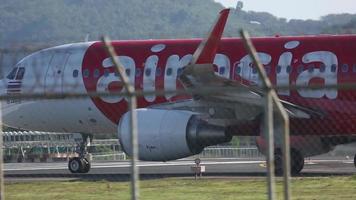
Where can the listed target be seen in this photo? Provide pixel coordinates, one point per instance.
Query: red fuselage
(152, 65)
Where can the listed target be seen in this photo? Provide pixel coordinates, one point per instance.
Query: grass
(324, 188)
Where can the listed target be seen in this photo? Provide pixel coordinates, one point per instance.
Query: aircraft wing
(218, 92)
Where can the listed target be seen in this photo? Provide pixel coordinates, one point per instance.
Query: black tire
(86, 165)
(278, 162)
(75, 165)
(297, 162)
(355, 160)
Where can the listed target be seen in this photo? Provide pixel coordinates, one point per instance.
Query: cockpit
(16, 73)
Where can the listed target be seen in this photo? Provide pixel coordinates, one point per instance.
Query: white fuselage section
(54, 71)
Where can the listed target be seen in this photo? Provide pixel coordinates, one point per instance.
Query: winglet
(206, 50)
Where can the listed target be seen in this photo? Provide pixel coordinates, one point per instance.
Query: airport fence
(230, 152)
(312, 129)
(207, 153)
(34, 146)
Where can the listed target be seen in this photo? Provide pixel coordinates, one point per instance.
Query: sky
(296, 9)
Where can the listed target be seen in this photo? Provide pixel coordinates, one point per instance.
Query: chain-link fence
(184, 112)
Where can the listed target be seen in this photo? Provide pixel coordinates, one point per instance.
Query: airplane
(175, 126)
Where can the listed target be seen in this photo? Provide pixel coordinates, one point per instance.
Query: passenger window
(222, 70)
(96, 73)
(322, 68)
(12, 74)
(86, 73)
(20, 73)
(169, 71)
(278, 69)
(180, 71)
(128, 72)
(148, 72)
(75, 73)
(333, 68)
(254, 70)
(106, 72)
(345, 68)
(289, 69)
(311, 69)
(238, 70)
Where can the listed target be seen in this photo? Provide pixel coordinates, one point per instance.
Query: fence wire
(319, 120)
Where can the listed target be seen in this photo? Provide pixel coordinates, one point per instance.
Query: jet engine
(170, 134)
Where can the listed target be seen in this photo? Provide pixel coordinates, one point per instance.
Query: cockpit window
(12, 74)
(16, 74)
(20, 73)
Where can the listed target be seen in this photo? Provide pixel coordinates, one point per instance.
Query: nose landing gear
(81, 164)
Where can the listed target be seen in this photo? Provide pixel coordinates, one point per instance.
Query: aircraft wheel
(79, 165)
(355, 160)
(297, 161)
(278, 162)
(75, 165)
(87, 165)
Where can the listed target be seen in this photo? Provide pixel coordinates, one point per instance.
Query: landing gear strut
(296, 159)
(81, 164)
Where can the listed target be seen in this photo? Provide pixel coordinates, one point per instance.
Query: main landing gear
(81, 164)
(296, 162)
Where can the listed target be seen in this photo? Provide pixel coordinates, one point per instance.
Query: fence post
(271, 99)
(133, 123)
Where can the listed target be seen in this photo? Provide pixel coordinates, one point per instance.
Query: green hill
(54, 22)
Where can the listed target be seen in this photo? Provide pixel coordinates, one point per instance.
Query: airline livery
(175, 126)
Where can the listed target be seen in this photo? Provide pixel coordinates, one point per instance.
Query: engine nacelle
(169, 134)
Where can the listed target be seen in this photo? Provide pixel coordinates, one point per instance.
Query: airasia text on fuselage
(320, 65)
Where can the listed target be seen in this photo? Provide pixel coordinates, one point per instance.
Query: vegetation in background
(235, 142)
(53, 22)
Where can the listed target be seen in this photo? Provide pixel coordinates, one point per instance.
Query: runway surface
(120, 170)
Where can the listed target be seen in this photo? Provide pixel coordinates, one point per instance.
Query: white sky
(296, 9)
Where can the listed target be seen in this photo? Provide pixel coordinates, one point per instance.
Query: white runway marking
(56, 166)
(96, 165)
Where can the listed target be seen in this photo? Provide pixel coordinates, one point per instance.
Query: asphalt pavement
(120, 170)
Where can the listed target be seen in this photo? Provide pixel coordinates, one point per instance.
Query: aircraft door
(54, 78)
(72, 75)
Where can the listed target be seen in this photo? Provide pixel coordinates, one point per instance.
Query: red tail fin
(206, 51)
